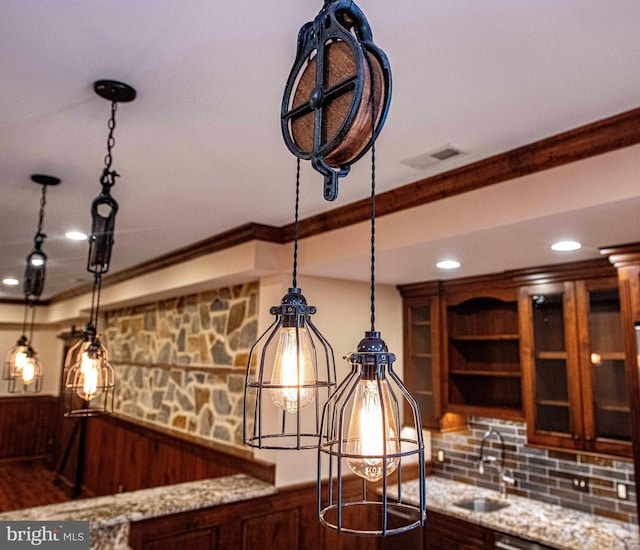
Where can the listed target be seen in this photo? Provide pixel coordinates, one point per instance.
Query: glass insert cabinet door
(605, 396)
(574, 366)
(549, 356)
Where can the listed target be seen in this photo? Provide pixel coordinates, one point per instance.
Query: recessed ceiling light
(75, 236)
(448, 264)
(564, 246)
(10, 281)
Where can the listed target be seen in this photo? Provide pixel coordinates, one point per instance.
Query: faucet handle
(507, 477)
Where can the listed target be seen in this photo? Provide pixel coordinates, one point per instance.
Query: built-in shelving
(483, 356)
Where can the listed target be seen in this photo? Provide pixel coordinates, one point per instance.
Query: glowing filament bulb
(21, 359)
(292, 368)
(28, 371)
(372, 433)
(88, 382)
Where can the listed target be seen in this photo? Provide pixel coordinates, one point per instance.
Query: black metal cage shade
(26, 376)
(364, 434)
(89, 382)
(290, 375)
(15, 354)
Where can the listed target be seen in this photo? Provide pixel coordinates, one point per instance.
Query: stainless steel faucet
(504, 474)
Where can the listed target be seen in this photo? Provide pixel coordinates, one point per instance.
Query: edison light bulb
(28, 371)
(368, 431)
(292, 368)
(21, 358)
(89, 383)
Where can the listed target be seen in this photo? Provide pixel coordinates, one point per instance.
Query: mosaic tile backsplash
(539, 474)
(181, 363)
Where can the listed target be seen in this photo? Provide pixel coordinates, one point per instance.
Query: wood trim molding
(20, 302)
(223, 371)
(609, 134)
(599, 137)
(233, 237)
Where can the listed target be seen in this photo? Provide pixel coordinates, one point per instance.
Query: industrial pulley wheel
(338, 92)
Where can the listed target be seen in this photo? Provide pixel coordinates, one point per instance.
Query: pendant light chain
(295, 233)
(108, 176)
(43, 203)
(111, 140)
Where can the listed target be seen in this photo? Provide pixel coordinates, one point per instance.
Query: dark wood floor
(27, 484)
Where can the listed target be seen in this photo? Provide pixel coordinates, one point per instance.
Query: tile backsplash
(539, 474)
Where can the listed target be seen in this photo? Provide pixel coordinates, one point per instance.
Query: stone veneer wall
(540, 474)
(181, 363)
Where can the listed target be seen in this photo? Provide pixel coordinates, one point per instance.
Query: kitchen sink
(481, 504)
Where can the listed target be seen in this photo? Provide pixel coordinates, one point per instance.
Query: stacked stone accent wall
(181, 363)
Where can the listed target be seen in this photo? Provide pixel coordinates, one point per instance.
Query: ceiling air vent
(432, 157)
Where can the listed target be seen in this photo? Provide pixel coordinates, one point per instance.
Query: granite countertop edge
(125, 508)
(550, 524)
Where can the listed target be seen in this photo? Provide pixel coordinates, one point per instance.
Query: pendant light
(361, 436)
(284, 395)
(361, 424)
(22, 368)
(89, 379)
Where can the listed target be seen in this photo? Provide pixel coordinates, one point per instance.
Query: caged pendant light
(295, 372)
(89, 379)
(22, 367)
(361, 424)
(361, 436)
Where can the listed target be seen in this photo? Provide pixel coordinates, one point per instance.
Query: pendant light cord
(27, 305)
(295, 231)
(373, 236)
(33, 319)
(95, 300)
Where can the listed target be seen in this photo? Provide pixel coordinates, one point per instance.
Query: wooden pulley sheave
(338, 92)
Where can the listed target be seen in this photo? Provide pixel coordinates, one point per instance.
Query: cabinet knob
(589, 439)
(576, 437)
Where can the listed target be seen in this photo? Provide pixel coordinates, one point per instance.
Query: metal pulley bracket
(338, 92)
(103, 219)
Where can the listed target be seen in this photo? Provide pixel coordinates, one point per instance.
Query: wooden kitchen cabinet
(447, 533)
(422, 356)
(573, 364)
(482, 361)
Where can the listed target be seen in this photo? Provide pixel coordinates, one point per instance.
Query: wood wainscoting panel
(123, 456)
(205, 539)
(28, 426)
(282, 528)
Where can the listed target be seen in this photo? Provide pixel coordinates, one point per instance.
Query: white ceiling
(200, 149)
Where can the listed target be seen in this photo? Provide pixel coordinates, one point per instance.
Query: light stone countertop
(111, 515)
(549, 524)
